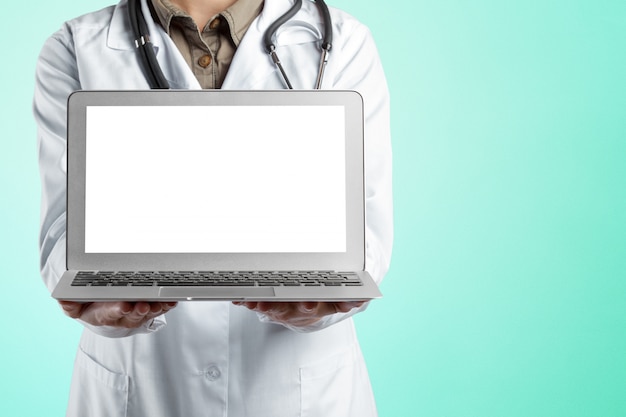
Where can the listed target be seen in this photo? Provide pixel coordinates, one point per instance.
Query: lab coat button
(212, 373)
(204, 61)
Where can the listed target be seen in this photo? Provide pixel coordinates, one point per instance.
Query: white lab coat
(214, 358)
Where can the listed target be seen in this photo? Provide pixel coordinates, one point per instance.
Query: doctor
(213, 358)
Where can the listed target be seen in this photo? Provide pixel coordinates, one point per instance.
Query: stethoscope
(153, 71)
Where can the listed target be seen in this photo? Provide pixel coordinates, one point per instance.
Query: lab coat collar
(172, 64)
(250, 64)
(252, 67)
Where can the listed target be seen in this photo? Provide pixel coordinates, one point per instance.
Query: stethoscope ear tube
(151, 67)
(327, 40)
(271, 30)
(269, 44)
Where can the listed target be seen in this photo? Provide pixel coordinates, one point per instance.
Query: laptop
(215, 195)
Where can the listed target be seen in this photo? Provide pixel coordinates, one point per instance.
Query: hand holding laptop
(116, 313)
(133, 315)
(299, 314)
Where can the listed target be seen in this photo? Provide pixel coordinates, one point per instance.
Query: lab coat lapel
(252, 67)
(174, 67)
(172, 63)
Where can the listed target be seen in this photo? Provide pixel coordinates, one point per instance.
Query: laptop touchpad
(216, 293)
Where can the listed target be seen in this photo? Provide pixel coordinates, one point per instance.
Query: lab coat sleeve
(363, 72)
(357, 67)
(56, 78)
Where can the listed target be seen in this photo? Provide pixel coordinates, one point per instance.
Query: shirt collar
(165, 11)
(239, 16)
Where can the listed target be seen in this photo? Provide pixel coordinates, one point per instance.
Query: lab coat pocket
(96, 391)
(335, 387)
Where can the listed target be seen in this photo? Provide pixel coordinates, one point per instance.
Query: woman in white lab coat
(215, 358)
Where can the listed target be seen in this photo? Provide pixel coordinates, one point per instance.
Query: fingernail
(307, 307)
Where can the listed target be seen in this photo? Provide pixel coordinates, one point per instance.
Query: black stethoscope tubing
(157, 80)
(148, 59)
(327, 40)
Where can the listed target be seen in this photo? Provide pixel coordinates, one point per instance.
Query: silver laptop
(215, 195)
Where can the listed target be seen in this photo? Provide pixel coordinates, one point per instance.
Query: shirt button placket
(204, 61)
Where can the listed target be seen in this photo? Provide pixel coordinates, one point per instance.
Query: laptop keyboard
(215, 279)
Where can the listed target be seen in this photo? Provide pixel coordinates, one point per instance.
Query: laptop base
(258, 292)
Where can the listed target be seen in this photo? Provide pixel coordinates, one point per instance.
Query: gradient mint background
(507, 294)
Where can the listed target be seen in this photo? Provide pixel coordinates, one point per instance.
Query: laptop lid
(215, 180)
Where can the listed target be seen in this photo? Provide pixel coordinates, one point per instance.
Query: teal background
(507, 291)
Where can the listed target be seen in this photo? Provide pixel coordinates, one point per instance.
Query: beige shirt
(209, 51)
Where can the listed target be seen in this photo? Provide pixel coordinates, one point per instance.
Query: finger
(138, 313)
(158, 308)
(250, 305)
(68, 304)
(105, 313)
(278, 310)
(71, 308)
(138, 319)
(125, 307)
(345, 306)
(155, 308)
(308, 307)
(168, 306)
(265, 307)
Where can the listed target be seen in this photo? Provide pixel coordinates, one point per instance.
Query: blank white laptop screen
(218, 179)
